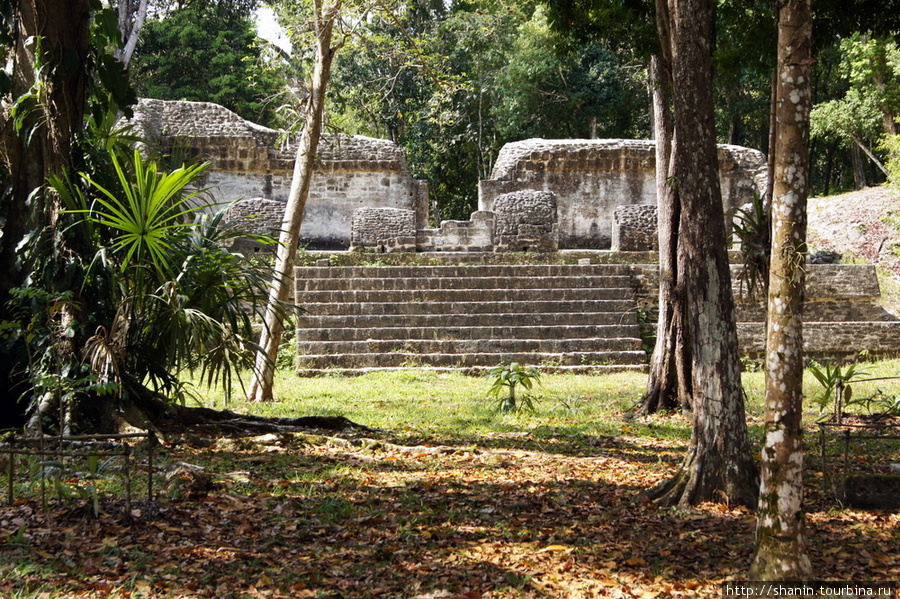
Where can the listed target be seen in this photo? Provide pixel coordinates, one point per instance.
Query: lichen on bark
(781, 552)
(719, 465)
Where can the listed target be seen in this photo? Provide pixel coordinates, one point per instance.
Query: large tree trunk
(719, 464)
(780, 532)
(39, 120)
(51, 38)
(859, 170)
(668, 385)
(270, 339)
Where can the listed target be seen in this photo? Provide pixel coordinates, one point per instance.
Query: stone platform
(469, 317)
(561, 317)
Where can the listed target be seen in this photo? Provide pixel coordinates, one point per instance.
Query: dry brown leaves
(328, 521)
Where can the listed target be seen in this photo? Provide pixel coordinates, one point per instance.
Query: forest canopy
(451, 82)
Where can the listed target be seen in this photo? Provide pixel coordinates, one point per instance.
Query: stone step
(818, 311)
(484, 345)
(468, 360)
(593, 307)
(471, 270)
(467, 317)
(548, 367)
(465, 282)
(495, 326)
(831, 340)
(305, 299)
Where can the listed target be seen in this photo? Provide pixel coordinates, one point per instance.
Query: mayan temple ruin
(586, 207)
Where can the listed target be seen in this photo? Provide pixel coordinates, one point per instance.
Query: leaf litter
(356, 518)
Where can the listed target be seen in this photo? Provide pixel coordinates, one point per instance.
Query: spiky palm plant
(184, 301)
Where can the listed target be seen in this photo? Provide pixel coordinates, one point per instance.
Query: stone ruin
(521, 221)
(603, 190)
(635, 228)
(248, 163)
(526, 221)
(542, 195)
(363, 194)
(591, 178)
(383, 229)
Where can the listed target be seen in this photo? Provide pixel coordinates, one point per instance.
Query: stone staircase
(561, 317)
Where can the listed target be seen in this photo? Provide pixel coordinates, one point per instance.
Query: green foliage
(861, 94)
(631, 20)
(18, 537)
(175, 297)
(509, 378)
(835, 382)
(202, 54)
(753, 228)
(555, 88)
(147, 217)
(452, 84)
(855, 116)
(72, 484)
(881, 402)
(53, 376)
(743, 59)
(113, 91)
(890, 145)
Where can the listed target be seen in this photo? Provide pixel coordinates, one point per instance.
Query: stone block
(591, 177)
(260, 217)
(635, 228)
(526, 220)
(380, 227)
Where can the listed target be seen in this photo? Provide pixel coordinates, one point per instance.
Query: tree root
(692, 485)
(167, 420)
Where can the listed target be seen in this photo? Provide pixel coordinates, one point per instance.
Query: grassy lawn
(418, 404)
(448, 499)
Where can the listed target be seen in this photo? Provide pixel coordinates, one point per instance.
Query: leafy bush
(835, 382)
(176, 297)
(753, 228)
(510, 377)
(891, 145)
(879, 403)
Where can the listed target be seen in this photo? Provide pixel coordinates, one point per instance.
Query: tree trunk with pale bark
(719, 465)
(780, 533)
(270, 338)
(132, 15)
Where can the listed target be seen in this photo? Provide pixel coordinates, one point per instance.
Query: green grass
(422, 404)
(573, 413)
(449, 405)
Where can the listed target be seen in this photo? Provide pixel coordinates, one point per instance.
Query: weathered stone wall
(379, 227)
(830, 341)
(834, 292)
(522, 221)
(259, 216)
(842, 309)
(635, 228)
(526, 220)
(247, 161)
(474, 235)
(591, 177)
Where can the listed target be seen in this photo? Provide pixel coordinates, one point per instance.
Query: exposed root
(167, 420)
(693, 484)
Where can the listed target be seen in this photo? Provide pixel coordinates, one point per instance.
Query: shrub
(509, 378)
